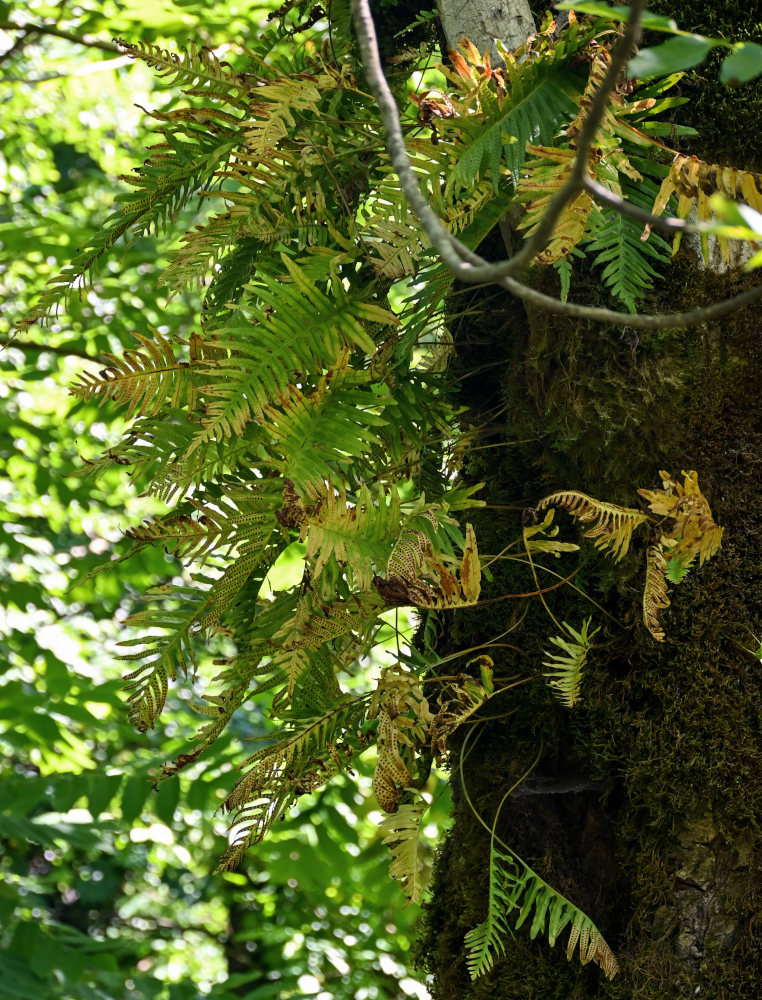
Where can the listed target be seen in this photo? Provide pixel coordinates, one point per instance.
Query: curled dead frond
(612, 526)
(655, 593)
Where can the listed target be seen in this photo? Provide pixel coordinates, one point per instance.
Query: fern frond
(655, 597)
(145, 381)
(693, 181)
(277, 774)
(692, 530)
(292, 328)
(485, 942)
(401, 831)
(356, 536)
(536, 104)
(540, 181)
(629, 264)
(546, 543)
(164, 654)
(318, 433)
(613, 525)
(515, 887)
(241, 516)
(457, 703)
(566, 668)
(196, 67)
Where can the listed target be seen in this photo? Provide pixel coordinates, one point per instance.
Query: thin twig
(463, 262)
(670, 224)
(48, 29)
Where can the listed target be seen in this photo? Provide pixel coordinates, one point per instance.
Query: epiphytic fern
(164, 653)
(145, 381)
(614, 242)
(525, 103)
(278, 773)
(356, 536)
(566, 667)
(613, 525)
(694, 181)
(514, 889)
(401, 832)
(655, 597)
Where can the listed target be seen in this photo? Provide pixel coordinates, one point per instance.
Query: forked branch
(469, 266)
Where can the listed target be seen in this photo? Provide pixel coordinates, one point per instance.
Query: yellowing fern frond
(613, 525)
(401, 832)
(144, 380)
(691, 531)
(547, 543)
(694, 181)
(655, 597)
(414, 559)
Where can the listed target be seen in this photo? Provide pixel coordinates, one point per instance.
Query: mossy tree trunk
(646, 804)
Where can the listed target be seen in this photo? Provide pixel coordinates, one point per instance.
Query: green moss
(669, 731)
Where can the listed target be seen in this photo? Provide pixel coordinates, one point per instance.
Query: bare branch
(62, 350)
(641, 321)
(29, 30)
(454, 253)
(469, 266)
(670, 224)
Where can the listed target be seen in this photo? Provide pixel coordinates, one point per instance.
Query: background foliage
(105, 886)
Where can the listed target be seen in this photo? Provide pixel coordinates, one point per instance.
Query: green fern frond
(288, 329)
(279, 773)
(615, 243)
(318, 434)
(566, 667)
(356, 536)
(401, 832)
(485, 942)
(514, 887)
(164, 654)
(536, 105)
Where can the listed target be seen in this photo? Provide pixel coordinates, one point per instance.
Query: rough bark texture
(646, 806)
(482, 22)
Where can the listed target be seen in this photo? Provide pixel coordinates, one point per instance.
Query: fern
(318, 433)
(164, 654)
(278, 773)
(535, 105)
(613, 525)
(615, 244)
(655, 597)
(356, 538)
(401, 833)
(515, 888)
(566, 667)
(197, 68)
(145, 381)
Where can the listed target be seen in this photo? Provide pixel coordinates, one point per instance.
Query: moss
(669, 733)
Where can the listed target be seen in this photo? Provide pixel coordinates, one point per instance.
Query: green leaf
(743, 64)
(679, 53)
(103, 787)
(656, 22)
(134, 795)
(166, 800)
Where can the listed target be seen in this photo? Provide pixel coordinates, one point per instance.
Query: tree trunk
(645, 806)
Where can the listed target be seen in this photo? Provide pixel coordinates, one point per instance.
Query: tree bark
(509, 20)
(645, 808)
